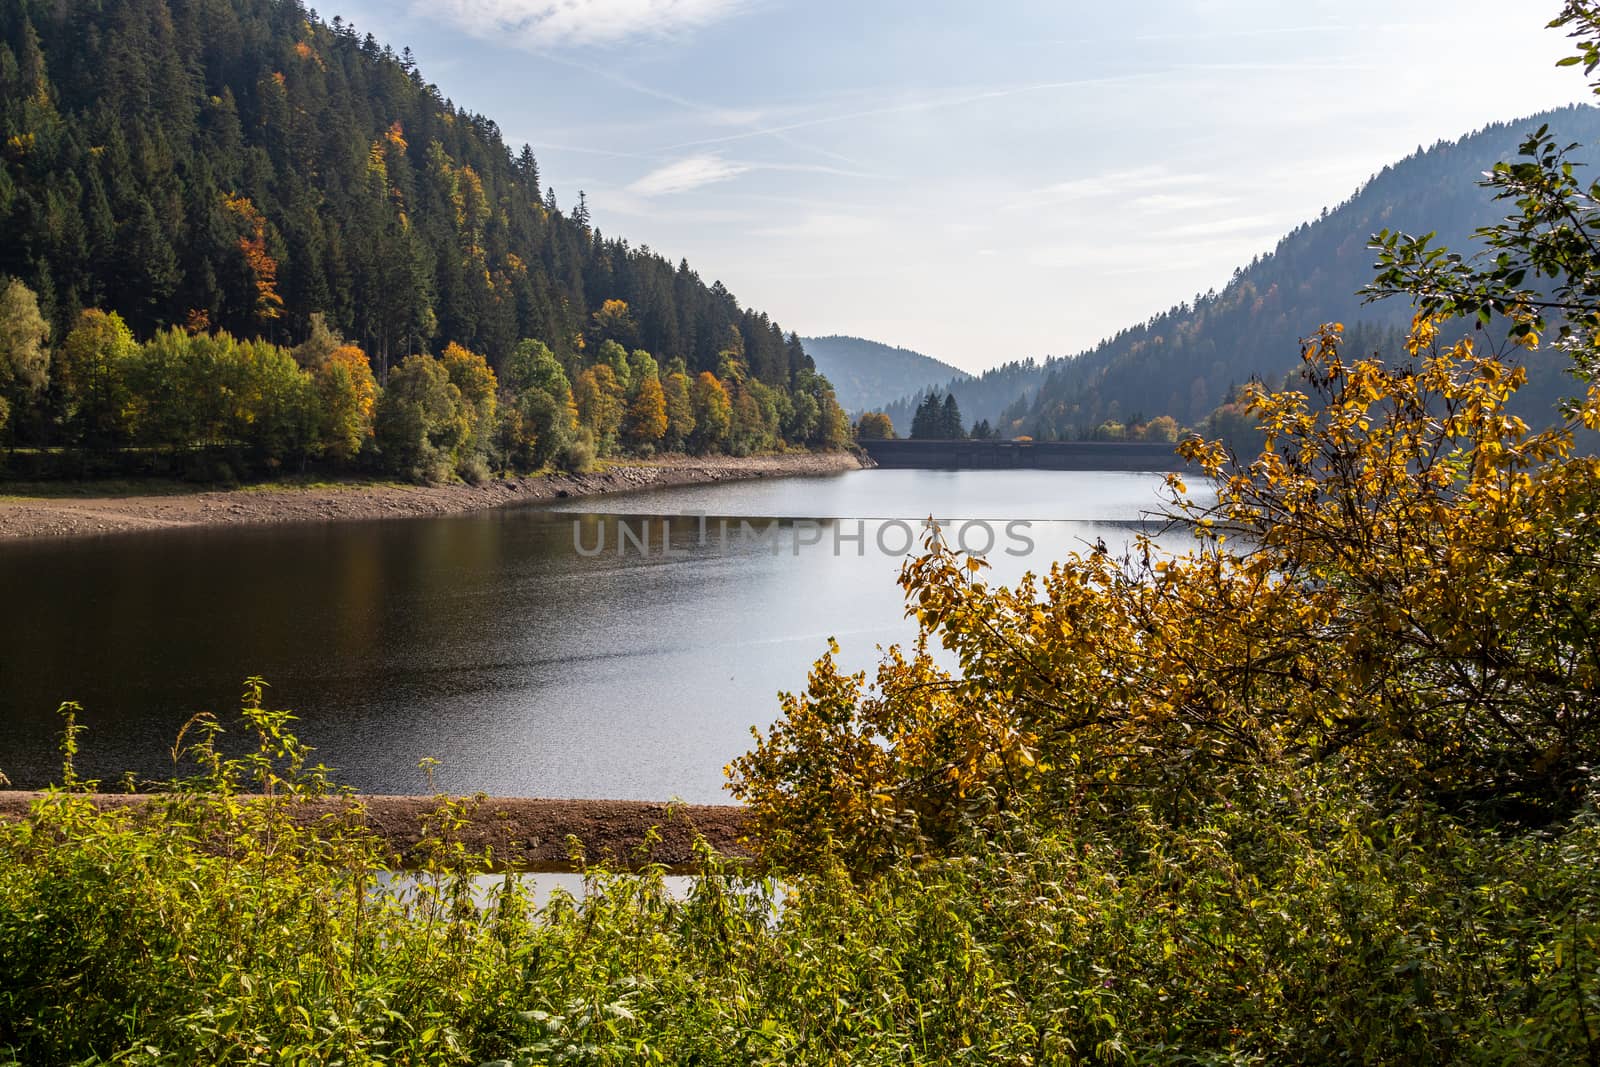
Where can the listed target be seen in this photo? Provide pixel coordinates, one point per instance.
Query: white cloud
(686, 174)
(692, 172)
(560, 22)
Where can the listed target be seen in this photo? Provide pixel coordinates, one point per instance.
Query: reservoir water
(560, 651)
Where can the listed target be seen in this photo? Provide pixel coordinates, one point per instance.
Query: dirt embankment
(522, 834)
(61, 512)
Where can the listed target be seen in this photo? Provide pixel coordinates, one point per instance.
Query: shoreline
(24, 516)
(522, 833)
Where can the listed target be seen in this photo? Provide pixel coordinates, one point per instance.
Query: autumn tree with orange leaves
(262, 266)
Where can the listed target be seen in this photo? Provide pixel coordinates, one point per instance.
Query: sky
(981, 182)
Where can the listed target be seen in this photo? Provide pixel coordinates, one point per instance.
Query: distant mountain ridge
(868, 375)
(1185, 361)
(982, 398)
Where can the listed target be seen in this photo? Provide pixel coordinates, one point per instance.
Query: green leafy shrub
(1298, 921)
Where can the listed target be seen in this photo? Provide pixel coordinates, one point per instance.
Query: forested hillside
(241, 166)
(869, 375)
(1186, 362)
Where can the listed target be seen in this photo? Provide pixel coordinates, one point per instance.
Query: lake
(616, 647)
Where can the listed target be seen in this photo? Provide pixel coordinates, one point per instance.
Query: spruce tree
(925, 423)
(950, 419)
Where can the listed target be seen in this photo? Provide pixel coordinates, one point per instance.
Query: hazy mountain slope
(1183, 362)
(980, 398)
(868, 375)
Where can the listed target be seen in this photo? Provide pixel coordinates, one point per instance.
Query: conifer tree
(926, 423)
(247, 167)
(950, 418)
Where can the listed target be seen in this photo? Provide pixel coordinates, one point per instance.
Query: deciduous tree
(713, 412)
(535, 428)
(1392, 610)
(347, 396)
(420, 424)
(92, 371)
(1162, 428)
(874, 426)
(680, 410)
(319, 344)
(647, 414)
(614, 322)
(600, 404)
(24, 345)
(272, 403)
(473, 378)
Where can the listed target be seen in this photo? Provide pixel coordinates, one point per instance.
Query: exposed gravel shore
(522, 833)
(61, 512)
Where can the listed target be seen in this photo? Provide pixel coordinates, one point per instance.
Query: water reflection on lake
(490, 641)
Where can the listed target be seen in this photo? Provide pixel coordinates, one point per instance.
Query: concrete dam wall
(1025, 455)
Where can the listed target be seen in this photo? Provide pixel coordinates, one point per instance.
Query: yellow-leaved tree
(1401, 586)
(1395, 591)
(91, 370)
(647, 414)
(874, 426)
(712, 412)
(347, 401)
(599, 398)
